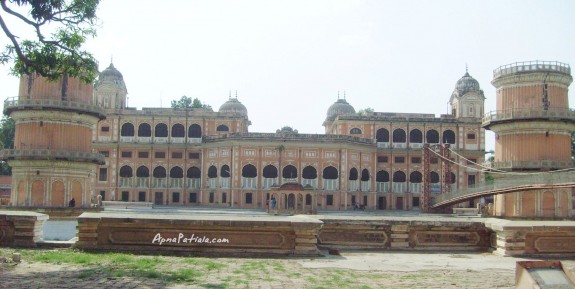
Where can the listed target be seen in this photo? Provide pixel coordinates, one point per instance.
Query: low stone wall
(199, 234)
(21, 229)
(409, 233)
(533, 238)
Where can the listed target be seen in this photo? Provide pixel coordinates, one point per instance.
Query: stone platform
(199, 234)
(253, 233)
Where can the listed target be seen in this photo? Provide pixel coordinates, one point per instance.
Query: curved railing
(15, 103)
(537, 65)
(49, 154)
(508, 184)
(533, 164)
(552, 113)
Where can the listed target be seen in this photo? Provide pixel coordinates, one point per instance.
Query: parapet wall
(199, 234)
(21, 229)
(413, 233)
(245, 235)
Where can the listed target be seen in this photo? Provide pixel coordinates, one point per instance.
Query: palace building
(77, 141)
(189, 157)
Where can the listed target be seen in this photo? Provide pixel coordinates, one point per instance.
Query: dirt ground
(349, 270)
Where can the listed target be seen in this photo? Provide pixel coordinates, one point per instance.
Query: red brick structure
(188, 157)
(533, 125)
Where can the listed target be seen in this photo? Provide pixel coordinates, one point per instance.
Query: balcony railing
(15, 103)
(310, 182)
(49, 154)
(516, 67)
(533, 164)
(553, 113)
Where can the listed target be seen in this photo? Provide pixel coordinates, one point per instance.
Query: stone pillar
(399, 236)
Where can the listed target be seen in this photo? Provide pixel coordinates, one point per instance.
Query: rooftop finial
(466, 68)
(230, 95)
(236, 94)
(338, 94)
(344, 95)
(111, 59)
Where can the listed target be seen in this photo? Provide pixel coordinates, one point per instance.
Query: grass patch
(183, 275)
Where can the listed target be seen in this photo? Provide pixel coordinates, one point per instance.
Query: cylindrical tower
(52, 160)
(533, 122)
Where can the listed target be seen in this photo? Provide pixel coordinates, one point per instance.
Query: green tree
(7, 129)
(365, 111)
(187, 102)
(70, 23)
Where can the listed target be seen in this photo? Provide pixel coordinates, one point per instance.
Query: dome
(111, 75)
(467, 84)
(340, 107)
(233, 105)
(110, 72)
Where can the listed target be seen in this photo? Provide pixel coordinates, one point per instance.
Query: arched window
(195, 131)
(399, 177)
(194, 173)
(143, 172)
(249, 171)
(225, 171)
(212, 172)
(449, 137)
(329, 173)
(159, 172)
(270, 172)
(415, 177)
(177, 173)
(432, 136)
(415, 136)
(144, 130)
(127, 129)
(307, 199)
(434, 177)
(355, 130)
(309, 173)
(289, 172)
(399, 136)
(178, 130)
(161, 130)
(126, 172)
(453, 179)
(353, 174)
(222, 127)
(382, 135)
(364, 175)
(382, 177)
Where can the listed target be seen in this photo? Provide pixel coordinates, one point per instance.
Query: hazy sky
(288, 59)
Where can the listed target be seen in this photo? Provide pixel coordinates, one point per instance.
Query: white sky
(288, 59)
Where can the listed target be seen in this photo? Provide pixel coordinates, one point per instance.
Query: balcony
(533, 165)
(330, 185)
(383, 145)
(49, 154)
(502, 116)
(382, 187)
(310, 182)
(194, 183)
(14, 104)
(531, 66)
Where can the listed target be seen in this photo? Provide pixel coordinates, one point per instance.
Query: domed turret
(467, 98)
(340, 107)
(467, 84)
(110, 90)
(234, 106)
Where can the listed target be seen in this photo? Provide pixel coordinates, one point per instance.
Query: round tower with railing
(533, 122)
(52, 159)
(532, 126)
